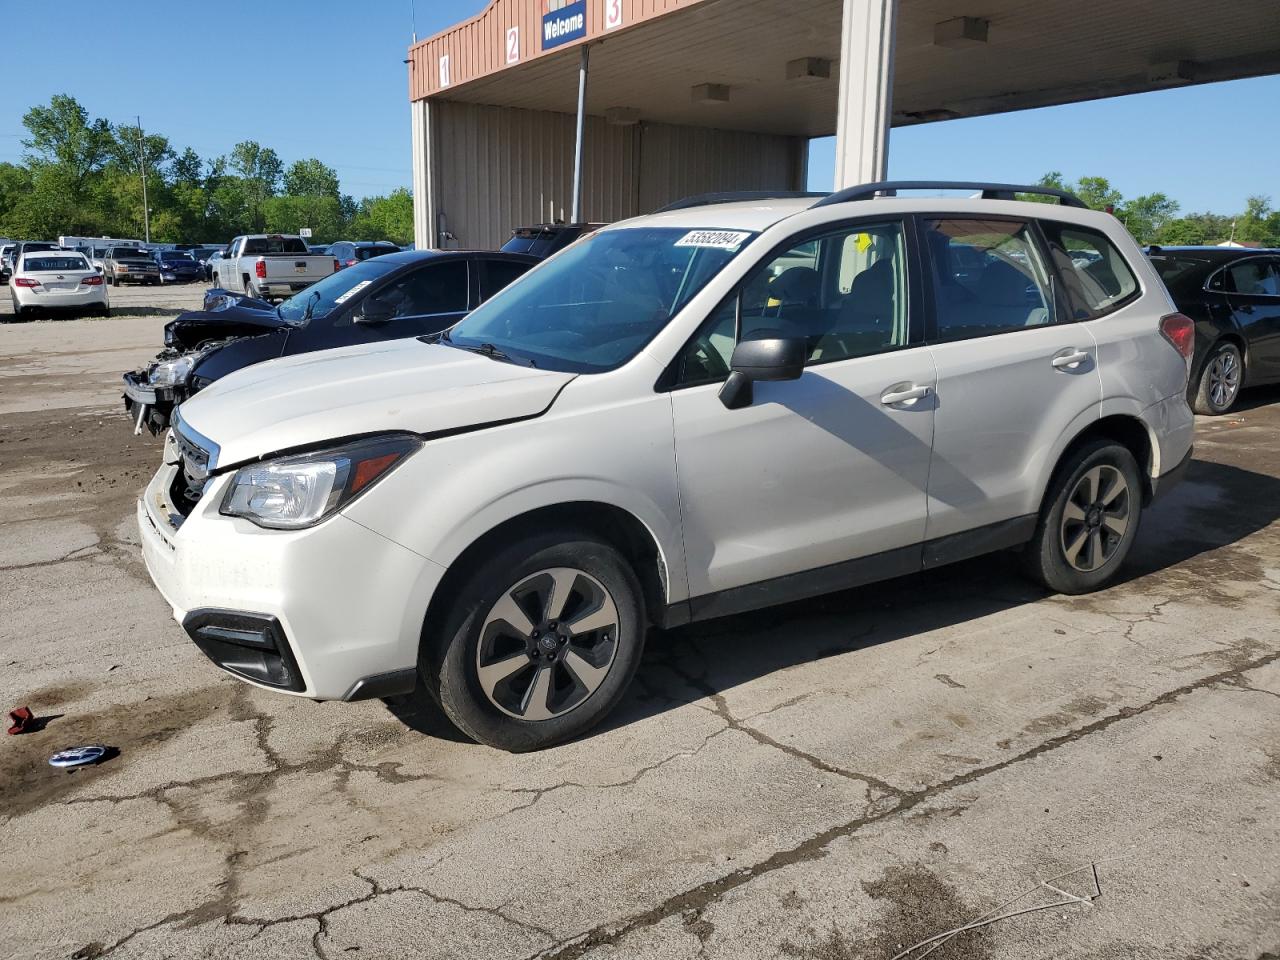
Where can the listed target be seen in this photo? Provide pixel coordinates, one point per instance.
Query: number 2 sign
(513, 45)
(612, 14)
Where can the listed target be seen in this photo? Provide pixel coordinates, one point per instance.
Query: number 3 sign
(612, 14)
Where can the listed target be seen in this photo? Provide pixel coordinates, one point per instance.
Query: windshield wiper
(489, 350)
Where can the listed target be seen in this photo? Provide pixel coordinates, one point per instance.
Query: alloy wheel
(1224, 379)
(1095, 518)
(547, 644)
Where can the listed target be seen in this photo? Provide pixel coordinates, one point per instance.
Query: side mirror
(763, 356)
(374, 311)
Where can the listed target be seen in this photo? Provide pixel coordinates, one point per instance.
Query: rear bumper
(68, 300)
(1162, 484)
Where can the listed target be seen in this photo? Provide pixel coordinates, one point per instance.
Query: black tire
(449, 658)
(1046, 557)
(1221, 377)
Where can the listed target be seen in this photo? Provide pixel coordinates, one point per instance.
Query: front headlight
(295, 492)
(170, 373)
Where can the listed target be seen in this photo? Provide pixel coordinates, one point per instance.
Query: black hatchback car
(1233, 295)
(387, 298)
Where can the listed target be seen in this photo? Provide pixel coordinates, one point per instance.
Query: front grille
(192, 476)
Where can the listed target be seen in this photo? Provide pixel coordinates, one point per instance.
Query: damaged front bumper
(149, 405)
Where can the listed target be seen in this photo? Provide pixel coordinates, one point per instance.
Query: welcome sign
(562, 22)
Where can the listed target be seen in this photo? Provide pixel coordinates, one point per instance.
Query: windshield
(334, 290)
(596, 304)
(119, 254)
(42, 264)
(368, 253)
(174, 255)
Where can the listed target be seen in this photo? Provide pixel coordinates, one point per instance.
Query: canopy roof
(656, 64)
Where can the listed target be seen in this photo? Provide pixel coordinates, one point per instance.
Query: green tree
(385, 218)
(1253, 225)
(1097, 192)
(64, 150)
(1147, 215)
(311, 178)
(259, 168)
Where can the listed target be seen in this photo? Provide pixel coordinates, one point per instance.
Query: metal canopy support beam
(576, 216)
(424, 163)
(866, 89)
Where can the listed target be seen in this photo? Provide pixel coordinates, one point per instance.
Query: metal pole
(577, 146)
(142, 157)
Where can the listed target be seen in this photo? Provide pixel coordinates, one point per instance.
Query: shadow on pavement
(1215, 506)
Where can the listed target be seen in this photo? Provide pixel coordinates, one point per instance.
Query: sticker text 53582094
(720, 239)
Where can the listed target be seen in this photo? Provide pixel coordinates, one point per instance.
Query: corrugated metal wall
(678, 162)
(494, 168)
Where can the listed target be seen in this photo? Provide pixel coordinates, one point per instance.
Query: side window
(845, 293)
(1096, 276)
(439, 288)
(988, 277)
(1256, 277)
(496, 274)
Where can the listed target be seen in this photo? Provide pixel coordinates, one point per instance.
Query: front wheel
(1089, 519)
(541, 643)
(1220, 381)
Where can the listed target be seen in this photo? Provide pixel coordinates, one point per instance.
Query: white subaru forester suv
(718, 407)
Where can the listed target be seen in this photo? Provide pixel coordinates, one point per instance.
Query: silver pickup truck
(270, 266)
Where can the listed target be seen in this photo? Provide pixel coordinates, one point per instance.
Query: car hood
(195, 327)
(371, 388)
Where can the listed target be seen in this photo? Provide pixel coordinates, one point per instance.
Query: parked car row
(708, 410)
(390, 298)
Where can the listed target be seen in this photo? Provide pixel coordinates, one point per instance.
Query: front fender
(458, 488)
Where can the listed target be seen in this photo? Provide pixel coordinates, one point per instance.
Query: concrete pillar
(424, 172)
(866, 91)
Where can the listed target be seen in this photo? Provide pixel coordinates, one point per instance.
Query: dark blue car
(178, 266)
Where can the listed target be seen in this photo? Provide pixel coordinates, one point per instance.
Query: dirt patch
(27, 782)
(918, 906)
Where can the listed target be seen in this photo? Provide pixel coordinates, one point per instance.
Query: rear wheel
(1089, 519)
(540, 644)
(1220, 380)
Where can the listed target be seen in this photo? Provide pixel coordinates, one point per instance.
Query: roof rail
(706, 199)
(989, 191)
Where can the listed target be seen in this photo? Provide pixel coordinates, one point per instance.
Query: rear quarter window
(1097, 277)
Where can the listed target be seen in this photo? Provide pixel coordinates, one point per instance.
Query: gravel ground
(833, 780)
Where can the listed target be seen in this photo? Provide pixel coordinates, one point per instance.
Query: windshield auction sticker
(720, 239)
(352, 292)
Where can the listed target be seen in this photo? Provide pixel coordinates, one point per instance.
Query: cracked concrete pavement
(836, 779)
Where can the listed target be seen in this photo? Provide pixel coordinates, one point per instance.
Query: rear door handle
(904, 393)
(1069, 358)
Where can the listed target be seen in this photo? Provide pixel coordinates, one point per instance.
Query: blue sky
(326, 80)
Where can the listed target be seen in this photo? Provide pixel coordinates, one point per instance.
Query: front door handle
(904, 393)
(1069, 358)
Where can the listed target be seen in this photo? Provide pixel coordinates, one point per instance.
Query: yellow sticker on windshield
(863, 242)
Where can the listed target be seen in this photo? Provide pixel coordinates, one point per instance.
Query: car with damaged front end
(388, 298)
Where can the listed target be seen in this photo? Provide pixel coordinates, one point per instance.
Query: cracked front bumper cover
(148, 405)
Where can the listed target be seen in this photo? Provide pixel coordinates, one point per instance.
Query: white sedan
(57, 280)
